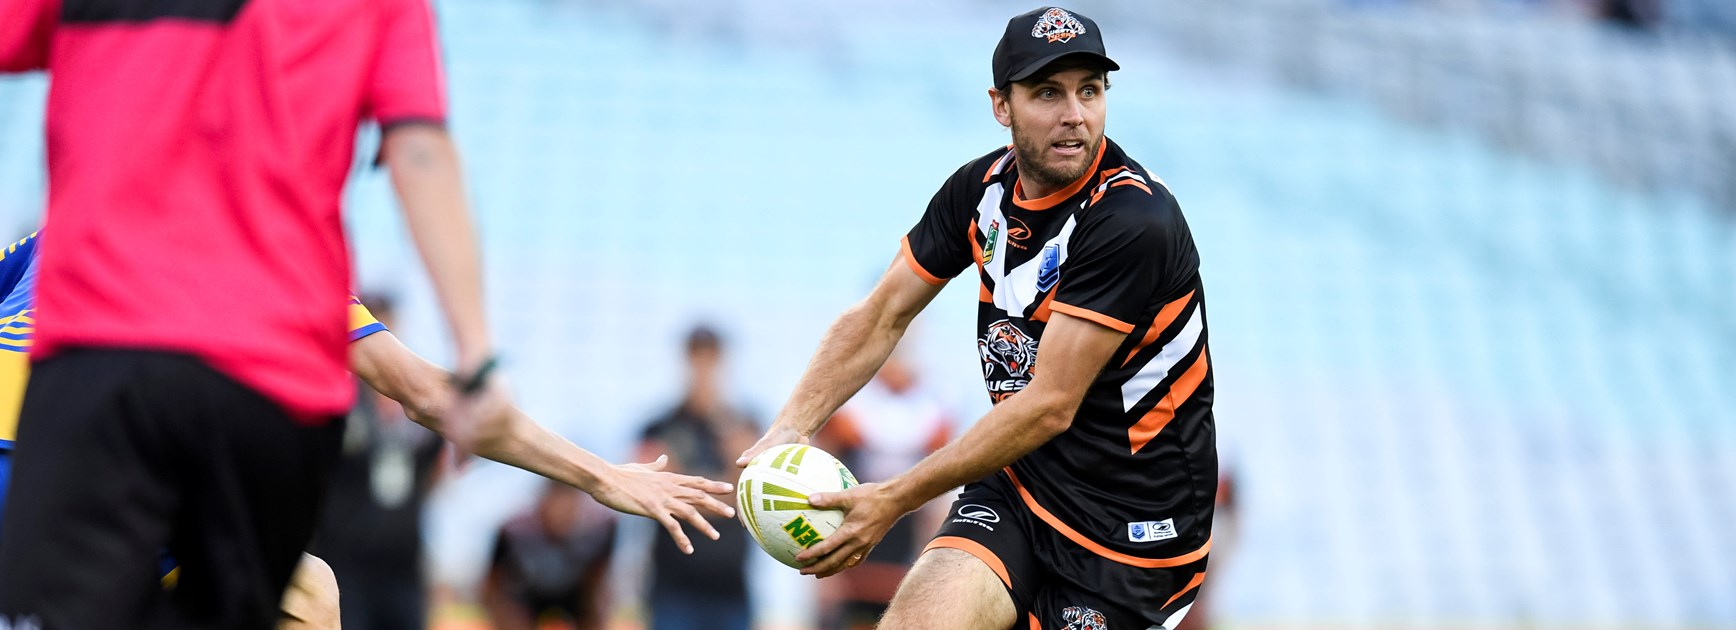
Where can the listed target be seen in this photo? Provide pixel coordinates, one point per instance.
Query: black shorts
(1057, 583)
(122, 454)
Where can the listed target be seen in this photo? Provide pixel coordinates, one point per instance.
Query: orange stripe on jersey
(1061, 195)
(983, 294)
(976, 549)
(1084, 313)
(1035, 625)
(1105, 175)
(1165, 317)
(1080, 539)
(910, 257)
(1131, 182)
(976, 249)
(1042, 314)
(1153, 422)
(1191, 584)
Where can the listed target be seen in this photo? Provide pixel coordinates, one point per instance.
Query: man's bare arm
(853, 349)
(426, 174)
(513, 438)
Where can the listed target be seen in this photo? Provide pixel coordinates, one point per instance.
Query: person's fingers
(822, 500)
(825, 546)
(706, 485)
(674, 528)
(831, 563)
(710, 504)
(693, 517)
(748, 455)
(840, 500)
(657, 465)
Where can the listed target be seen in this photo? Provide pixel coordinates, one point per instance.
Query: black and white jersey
(1133, 478)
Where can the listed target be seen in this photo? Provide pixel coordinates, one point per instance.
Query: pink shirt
(196, 155)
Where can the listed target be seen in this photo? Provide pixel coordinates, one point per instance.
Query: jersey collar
(1063, 194)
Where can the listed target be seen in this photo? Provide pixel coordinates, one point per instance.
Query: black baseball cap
(1040, 37)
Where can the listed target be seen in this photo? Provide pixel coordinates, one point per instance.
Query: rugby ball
(772, 499)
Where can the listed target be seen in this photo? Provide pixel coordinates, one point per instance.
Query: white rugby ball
(772, 499)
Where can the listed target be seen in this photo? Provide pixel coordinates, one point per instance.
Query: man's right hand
(778, 435)
(668, 498)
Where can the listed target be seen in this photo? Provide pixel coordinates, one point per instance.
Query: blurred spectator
(702, 435)
(371, 528)
(1633, 13)
(552, 561)
(884, 430)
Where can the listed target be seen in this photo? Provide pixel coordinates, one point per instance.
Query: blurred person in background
(551, 563)
(195, 294)
(1088, 502)
(370, 530)
(885, 429)
(388, 367)
(708, 589)
(195, 291)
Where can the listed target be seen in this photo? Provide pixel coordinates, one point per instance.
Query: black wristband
(470, 385)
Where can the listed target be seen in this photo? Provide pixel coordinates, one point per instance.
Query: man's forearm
(425, 172)
(523, 443)
(516, 440)
(853, 349)
(1012, 429)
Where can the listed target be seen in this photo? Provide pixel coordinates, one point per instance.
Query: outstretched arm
(853, 349)
(513, 438)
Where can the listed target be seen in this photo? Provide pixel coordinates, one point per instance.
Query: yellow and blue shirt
(18, 323)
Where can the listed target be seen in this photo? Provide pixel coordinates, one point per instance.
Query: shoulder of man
(981, 170)
(1129, 197)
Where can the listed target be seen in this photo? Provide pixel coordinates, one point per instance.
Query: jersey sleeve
(1132, 251)
(362, 321)
(408, 84)
(26, 28)
(939, 247)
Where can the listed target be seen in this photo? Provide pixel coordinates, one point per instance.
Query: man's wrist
(903, 493)
(471, 380)
(785, 424)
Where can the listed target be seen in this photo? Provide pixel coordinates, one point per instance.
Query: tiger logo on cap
(1058, 26)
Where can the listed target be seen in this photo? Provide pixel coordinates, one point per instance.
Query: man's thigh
(950, 589)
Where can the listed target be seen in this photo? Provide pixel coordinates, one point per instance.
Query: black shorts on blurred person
(132, 449)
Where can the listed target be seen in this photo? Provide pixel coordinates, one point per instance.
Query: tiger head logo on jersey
(1006, 346)
(1082, 618)
(1058, 26)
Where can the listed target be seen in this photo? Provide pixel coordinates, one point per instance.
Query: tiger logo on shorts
(1058, 26)
(1082, 618)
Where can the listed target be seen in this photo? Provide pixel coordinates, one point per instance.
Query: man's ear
(1001, 103)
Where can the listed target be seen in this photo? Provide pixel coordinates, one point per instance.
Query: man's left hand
(869, 511)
